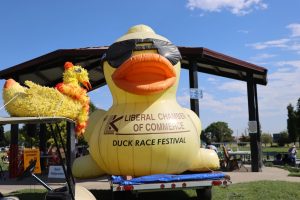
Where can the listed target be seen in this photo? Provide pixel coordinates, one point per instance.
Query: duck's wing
(47, 92)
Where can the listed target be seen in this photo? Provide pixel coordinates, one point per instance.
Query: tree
(283, 139)
(297, 120)
(59, 128)
(92, 107)
(266, 138)
(291, 123)
(204, 136)
(244, 138)
(4, 137)
(219, 132)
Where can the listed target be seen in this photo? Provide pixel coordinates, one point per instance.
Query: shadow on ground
(107, 195)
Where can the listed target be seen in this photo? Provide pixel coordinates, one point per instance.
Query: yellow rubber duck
(145, 131)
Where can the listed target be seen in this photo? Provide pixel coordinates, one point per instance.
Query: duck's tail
(11, 89)
(9, 83)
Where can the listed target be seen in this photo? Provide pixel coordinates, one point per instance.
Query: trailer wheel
(204, 193)
(122, 195)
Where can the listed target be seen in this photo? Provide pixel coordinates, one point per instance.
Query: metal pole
(71, 190)
(41, 182)
(71, 154)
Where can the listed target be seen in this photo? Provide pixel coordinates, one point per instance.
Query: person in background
(52, 150)
(210, 146)
(293, 154)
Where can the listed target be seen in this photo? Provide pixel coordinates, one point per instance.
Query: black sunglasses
(119, 52)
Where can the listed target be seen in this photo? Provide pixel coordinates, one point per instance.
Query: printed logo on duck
(111, 127)
(142, 124)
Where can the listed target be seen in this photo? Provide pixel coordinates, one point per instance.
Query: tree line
(293, 122)
(217, 132)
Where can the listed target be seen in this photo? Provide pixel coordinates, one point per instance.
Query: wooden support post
(193, 77)
(260, 154)
(13, 151)
(255, 144)
(43, 147)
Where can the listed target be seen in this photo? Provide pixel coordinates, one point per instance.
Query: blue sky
(266, 33)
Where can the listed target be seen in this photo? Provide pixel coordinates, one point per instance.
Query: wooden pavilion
(47, 70)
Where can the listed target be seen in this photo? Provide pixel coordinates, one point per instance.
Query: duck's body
(149, 141)
(145, 131)
(36, 100)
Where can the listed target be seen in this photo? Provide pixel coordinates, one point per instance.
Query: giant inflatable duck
(145, 131)
(67, 99)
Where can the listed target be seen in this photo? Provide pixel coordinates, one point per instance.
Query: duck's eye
(78, 70)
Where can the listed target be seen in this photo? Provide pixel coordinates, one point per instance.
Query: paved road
(268, 173)
(8, 186)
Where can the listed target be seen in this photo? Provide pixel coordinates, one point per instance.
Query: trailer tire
(204, 193)
(122, 195)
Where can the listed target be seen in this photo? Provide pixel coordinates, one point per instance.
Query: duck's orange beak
(145, 74)
(87, 85)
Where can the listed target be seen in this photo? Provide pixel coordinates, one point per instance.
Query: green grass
(275, 149)
(295, 174)
(4, 166)
(264, 149)
(294, 171)
(29, 194)
(266, 190)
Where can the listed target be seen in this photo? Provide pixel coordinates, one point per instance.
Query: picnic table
(244, 155)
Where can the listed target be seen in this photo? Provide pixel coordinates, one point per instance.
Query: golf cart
(70, 190)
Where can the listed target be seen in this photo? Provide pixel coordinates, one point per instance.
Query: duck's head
(76, 74)
(142, 63)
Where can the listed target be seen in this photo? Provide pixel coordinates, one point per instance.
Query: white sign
(56, 171)
(252, 126)
(196, 93)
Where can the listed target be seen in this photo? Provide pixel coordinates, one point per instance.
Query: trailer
(201, 182)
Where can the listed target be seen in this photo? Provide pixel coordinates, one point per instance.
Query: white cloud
(295, 28)
(284, 69)
(262, 56)
(291, 43)
(234, 86)
(282, 89)
(280, 43)
(293, 63)
(183, 97)
(209, 102)
(237, 7)
(212, 80)
(225, 106)
(295, 46)
(243, 31)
